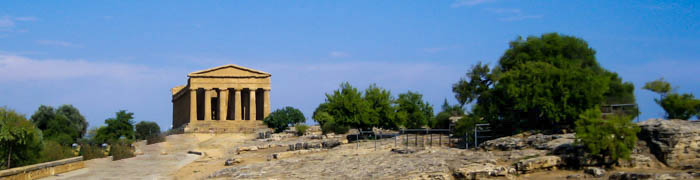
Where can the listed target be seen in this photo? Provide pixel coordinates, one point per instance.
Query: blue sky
(106, 56)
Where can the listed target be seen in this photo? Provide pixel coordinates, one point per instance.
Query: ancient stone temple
(227, 98)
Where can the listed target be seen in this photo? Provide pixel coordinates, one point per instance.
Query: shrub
(679, 106)
(331, 126)
(280, 119)
(20, 140)
(146, 129)
(301, 129)
(89, 151)
(155, 139)
(53, 151)
(121, 150)
(606, 140)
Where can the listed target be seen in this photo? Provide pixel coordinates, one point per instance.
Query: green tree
(146, 129)
(381, 112)
(64, 125)
(53, 151)
(442, 119)
(542, 83)
(477, 82)
(76, 119)
(121, 126)
(20, 140)
(280, 119)
(348, 108)
(660, 86)
(606, 140)
(412, 111)
(677, 106)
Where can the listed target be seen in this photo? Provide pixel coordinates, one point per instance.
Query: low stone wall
(43, 170)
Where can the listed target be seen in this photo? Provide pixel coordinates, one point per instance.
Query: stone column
(266, 111)
(252, 105)
(207, 104)
(223, 103)
(237, 111)
(193, 105)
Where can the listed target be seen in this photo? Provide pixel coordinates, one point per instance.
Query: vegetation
(442, 119)
(147, 129)
(606, 140)
(541, 83)
(119, 127)
(280, 119)
(19, 138)
(155, 139)
(52, 151)
(677, 106)
(121, 150)
(91, 151)
(63, 125)
(301, 129)
(412, 111)
(348, 108)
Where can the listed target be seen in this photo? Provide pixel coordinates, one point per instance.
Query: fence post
(466, 143)
(406, 141)
(375, 142)
(357, 139)
(476, 138)
(440, 140)
(431, 139)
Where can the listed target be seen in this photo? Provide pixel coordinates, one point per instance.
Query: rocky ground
(668, 149)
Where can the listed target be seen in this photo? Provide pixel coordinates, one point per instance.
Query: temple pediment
(230, 71)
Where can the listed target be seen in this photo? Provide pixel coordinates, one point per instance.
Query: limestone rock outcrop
(526, 140)
(483, 171)
(538, 163)
(674, 142)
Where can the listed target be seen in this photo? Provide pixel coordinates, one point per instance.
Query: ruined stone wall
(225, 126)
(43, 170)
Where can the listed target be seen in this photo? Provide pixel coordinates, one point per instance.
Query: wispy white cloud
(521, 17)
(338, 54)
(503, 10)
(460, 3)
(20, 68)
(26, 18)
(434, 49)
(57, 43)
(6, 22)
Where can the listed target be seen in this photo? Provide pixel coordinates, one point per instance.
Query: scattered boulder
(232, 161)
(483, 171)
(674, 142)
(403, 151)
(248, 148)
(330, 144)
(538, 163)
(630, 176)
(638, 161)
(594, 171)
(194, 152)
(504, 144)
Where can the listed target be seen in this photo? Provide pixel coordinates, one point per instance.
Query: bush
(89, 151)
(280, 119)
(331, 126)
(679, 106)
(53, 151)
(155, 139)
(301, 129)
(20, 140)
(146, 129)
(121, 150)
(606, 140)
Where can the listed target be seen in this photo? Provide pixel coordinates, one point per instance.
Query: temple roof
(229, 70)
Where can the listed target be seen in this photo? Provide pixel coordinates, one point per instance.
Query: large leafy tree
(63, 125)
(20, 140)
(120, 126)
(677, 106)
(543, 83)
(381, 111)
(348, 107)
(412, 111)
(280, 119)
(146, 129)
(606, 140)
(477, 81)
